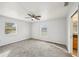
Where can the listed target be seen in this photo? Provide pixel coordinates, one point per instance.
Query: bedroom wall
(22, 31)
(56, 30)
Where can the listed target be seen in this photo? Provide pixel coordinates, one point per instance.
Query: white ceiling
(48, 10)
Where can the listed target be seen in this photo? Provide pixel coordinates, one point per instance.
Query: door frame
(72, 33)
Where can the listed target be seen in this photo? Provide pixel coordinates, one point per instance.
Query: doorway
(74, 18)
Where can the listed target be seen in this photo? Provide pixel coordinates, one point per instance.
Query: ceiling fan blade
(38, 16)
(30, 15)
(33, 16)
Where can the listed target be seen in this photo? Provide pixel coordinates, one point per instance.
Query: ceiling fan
(33, 16)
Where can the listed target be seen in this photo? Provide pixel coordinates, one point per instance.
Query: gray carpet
(32, 48)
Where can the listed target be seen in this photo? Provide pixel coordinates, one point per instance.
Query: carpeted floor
(32, 48)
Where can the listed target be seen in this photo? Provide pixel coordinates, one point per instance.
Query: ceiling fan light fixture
(33, 18)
